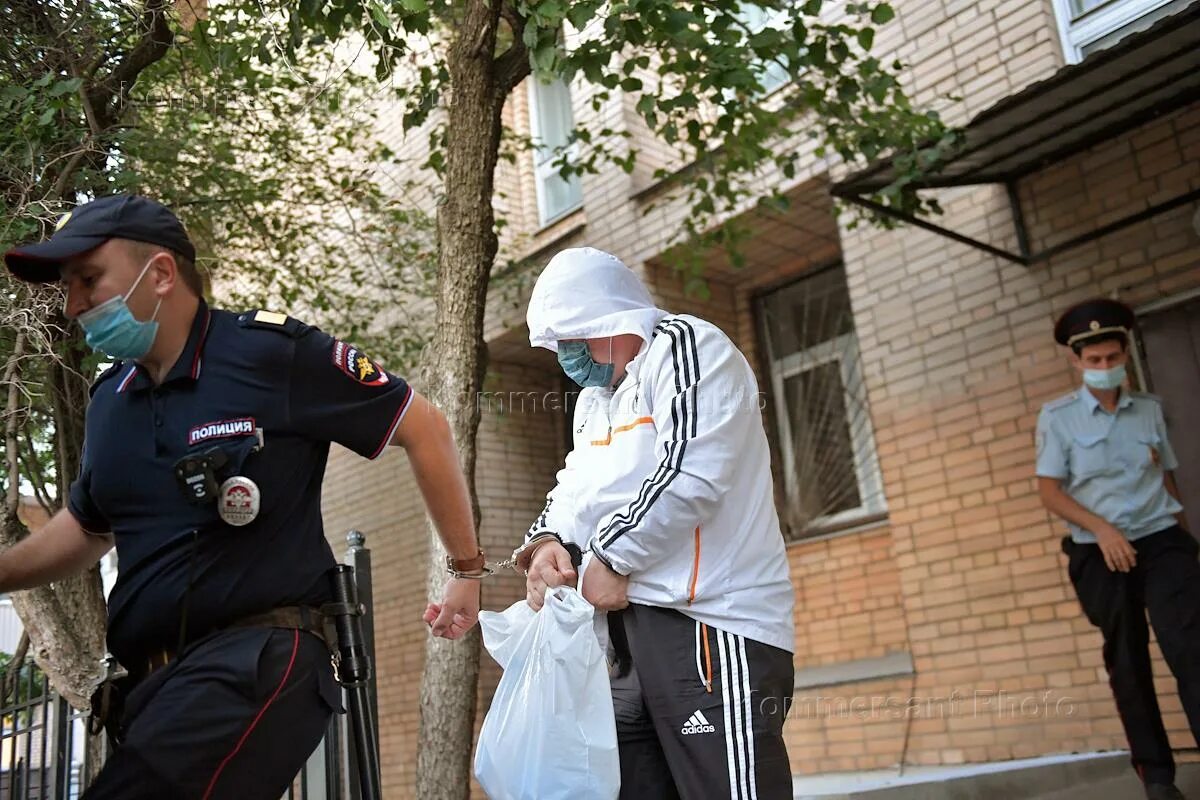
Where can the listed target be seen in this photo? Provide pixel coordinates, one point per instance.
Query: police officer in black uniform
(206, 444)
(1105, 465)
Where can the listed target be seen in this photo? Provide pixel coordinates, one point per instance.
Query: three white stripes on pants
(736, 707)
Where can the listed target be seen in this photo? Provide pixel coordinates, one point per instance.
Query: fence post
(60, 749)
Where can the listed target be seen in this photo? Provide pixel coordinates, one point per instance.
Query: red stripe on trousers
(225, 761)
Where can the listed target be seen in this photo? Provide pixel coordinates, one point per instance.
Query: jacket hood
(584, 293)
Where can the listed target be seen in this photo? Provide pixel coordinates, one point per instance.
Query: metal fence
(43, 742)
(44, 745)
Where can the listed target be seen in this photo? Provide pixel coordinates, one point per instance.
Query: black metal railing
(43, 742)
(46, 753)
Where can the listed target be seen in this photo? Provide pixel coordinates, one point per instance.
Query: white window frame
(543, 161)
(771, 79)
(1097, 23)
(844, 350)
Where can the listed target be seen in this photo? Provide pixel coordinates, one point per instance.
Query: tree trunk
(456, 362)
(66, 626)
(65, 621)
(69, 400)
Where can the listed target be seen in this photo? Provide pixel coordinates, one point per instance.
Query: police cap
(118, 216)
(1092, 319)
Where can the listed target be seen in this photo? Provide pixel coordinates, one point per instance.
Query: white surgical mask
(1105, 378)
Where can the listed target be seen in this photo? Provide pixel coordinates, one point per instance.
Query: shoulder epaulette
(1061, 402)
(272, 321)
(103, 376)
(1146, 396)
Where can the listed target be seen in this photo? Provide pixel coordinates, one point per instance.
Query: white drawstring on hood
(585, 293)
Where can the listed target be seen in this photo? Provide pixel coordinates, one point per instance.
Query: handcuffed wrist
(475, 567)
(524, 554)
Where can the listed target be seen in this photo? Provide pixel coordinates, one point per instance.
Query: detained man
(665, 508)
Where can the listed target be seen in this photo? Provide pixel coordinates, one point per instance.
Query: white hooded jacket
(668, 480)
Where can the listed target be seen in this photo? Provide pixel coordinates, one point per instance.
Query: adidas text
(697, 723)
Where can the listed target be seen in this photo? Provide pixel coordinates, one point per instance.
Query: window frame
(1077, 33)
(770, 78)
(843, 349)
(544, 157)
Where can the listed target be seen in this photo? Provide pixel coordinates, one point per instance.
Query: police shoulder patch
(355, 363)
(103, 376)
(272, 321)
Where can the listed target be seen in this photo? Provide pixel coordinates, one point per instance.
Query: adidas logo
(697, 723)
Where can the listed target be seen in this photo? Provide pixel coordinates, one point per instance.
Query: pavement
(1081, 776)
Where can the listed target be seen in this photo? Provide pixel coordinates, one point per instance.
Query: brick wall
(965, 574)
(957, 349)
(520, 447)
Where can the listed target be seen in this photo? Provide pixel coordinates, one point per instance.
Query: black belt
(303, 618)
(109, 698)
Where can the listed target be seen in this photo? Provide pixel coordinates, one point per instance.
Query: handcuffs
(478, 568)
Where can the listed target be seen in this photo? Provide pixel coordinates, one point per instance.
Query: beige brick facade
(965, 575)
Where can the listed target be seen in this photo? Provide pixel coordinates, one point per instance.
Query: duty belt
(108, 700)
(302, 618)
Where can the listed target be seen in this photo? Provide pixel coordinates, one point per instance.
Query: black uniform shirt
(238, 374)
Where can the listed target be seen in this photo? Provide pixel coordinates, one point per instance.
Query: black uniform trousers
(699, 711)
(236, 716)
(1165, 582)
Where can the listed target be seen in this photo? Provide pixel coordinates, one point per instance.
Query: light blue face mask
(1105, 378)
(112, 329)
(576, 360)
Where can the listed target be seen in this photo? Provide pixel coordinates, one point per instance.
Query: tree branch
(33, 469)
(68, 172)
(109, 96)
(12, 500)
(512, 66)
(12, 672)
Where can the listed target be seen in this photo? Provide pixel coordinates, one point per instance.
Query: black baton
(354, 673)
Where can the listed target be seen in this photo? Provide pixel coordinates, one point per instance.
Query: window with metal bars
(830, 470)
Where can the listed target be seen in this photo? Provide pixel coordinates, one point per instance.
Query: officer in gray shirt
(1104, 464)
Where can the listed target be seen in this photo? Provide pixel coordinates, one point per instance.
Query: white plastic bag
(550, 732)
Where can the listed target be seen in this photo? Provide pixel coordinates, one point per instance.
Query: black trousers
(235, 717)
(699, 711)
(1165, 582)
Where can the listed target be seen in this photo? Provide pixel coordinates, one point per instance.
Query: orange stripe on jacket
(695, 569)
(605, 442)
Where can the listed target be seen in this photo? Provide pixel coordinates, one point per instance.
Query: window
(771, 74)
(1091, 25)
(825, 442)
(551, 123)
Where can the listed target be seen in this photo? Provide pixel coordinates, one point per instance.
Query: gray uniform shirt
(1111, 463)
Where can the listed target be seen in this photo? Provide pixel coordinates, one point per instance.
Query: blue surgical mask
(576, 360)
(1105, 378)
(112, 329)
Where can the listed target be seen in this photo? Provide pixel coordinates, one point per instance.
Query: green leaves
(69, 86)
(708, 90)
(882, 14)
(580, 14)
(379, 14)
